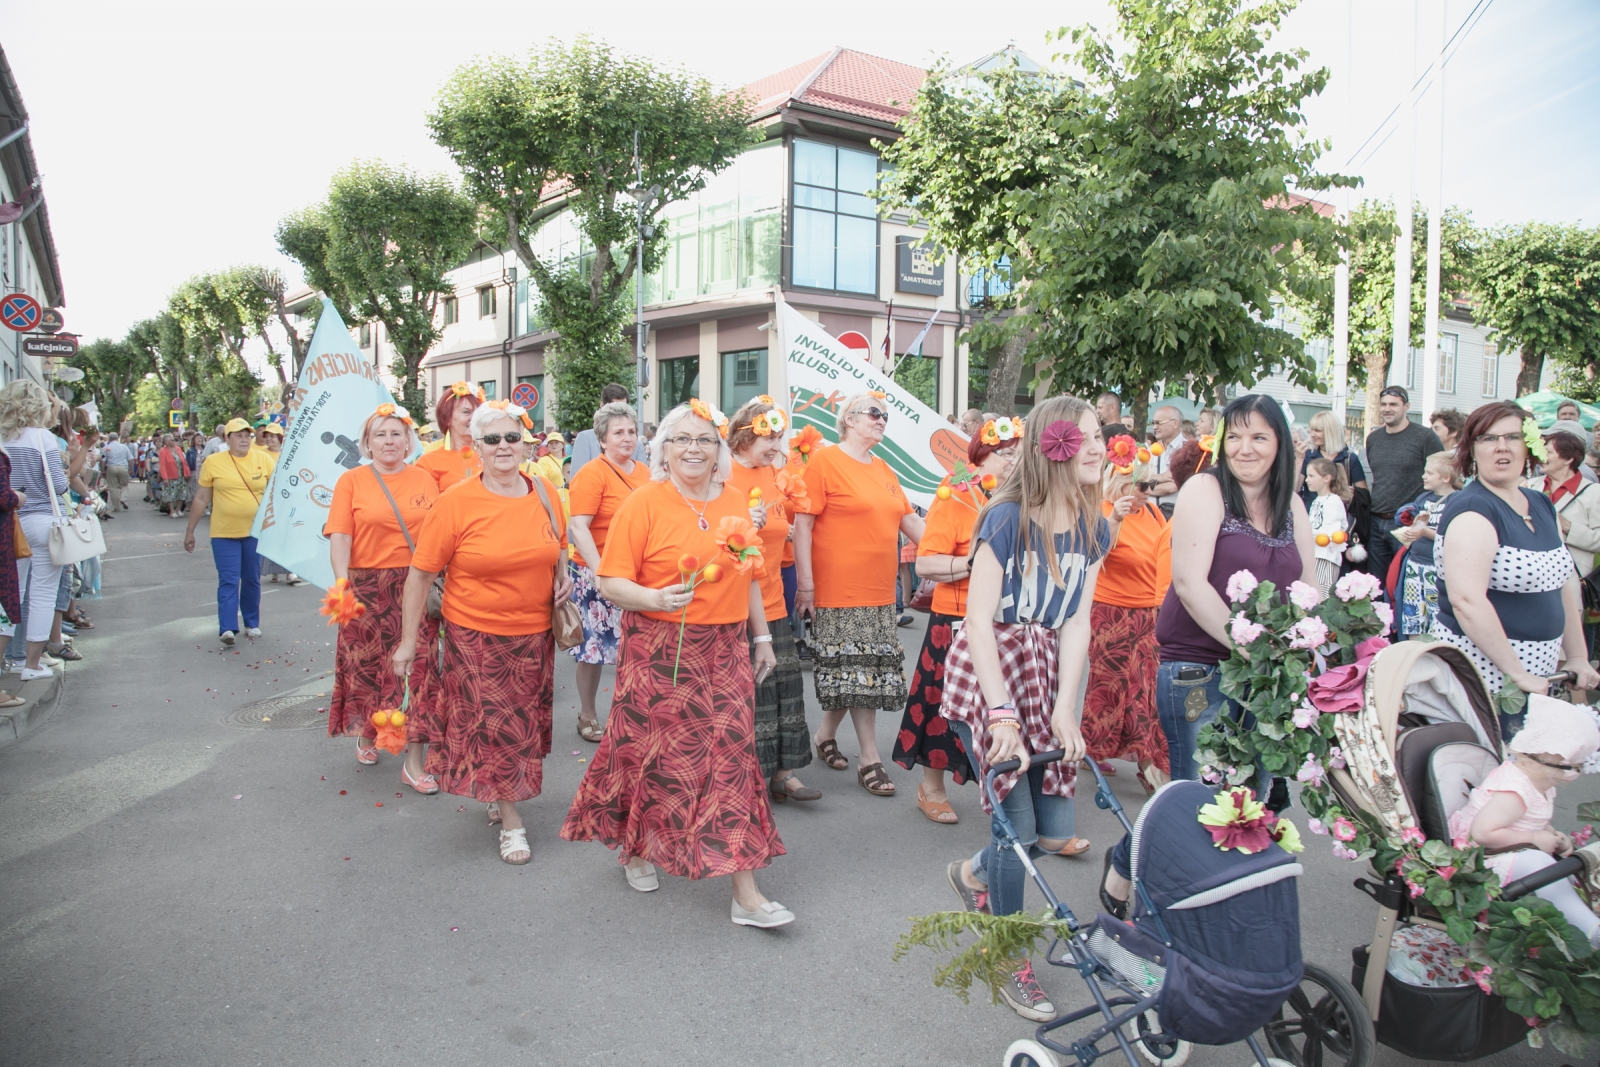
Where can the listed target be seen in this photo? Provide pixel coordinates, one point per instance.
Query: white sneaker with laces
(254, 631)
(227, 638)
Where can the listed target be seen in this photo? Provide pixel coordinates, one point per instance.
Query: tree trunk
(1005, 371)
(1141, 410)
(1377, 377)
(1530, 373)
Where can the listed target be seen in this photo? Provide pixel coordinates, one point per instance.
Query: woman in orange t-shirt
(675, 783)
(1119, 709)
(925, 736)
(371, 552)
(783, 742)
(846, 554)
(597, 491)
(502, 539)
(452, 459)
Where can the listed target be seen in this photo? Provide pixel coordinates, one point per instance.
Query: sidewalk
(43, 697)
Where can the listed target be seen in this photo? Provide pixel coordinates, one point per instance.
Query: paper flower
(340, 604)
(700, 408)
(760, 426)
(739, 537)
(1341, 689)
(1244, 631)
(794, 490)
(384, 410)
(1344, 829)
(1240, 585)
(1237, 820)
(461, 388)
(777, 420)
(1122, 451)
(1309, 633)
(1303, 596)
(988, 434)
(1060, 441)
(807, 441)
(1357, 585)
(391, 732)
(1007, 429)
(1535, 442)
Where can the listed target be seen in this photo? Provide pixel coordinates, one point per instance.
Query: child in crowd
(1418, 526)
(1326, 478)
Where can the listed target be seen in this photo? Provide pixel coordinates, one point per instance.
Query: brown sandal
(875, 780)
(828, 752)
(1074, 847)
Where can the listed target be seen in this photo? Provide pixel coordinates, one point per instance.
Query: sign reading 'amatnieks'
(919, 268)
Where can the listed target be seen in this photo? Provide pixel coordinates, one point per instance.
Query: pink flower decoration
(1447, 873)
(1340, 852)
(1303, 596)
(1060, 441)
(1412, 836)
(1306, 716)
(1240, 585)
(1311, 772)
(1344, 829)
(1459, 843)
(1308, 633)
(1336, 758)
(1316, 827)
(1357, 585)
(1340, 689)
(1385, 615)
(1413, 889)
(1244, 631)
(1482, 978)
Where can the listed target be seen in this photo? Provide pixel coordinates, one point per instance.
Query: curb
(42, 700)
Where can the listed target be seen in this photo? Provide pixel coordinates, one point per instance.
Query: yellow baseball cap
(528, 438)
(554, 438)
(235, 425)
(273, 427)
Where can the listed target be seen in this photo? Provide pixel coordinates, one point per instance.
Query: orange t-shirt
(654, 527)
(599, 490)
(502, 555)
(362, 511)
(451, 466)
(949, 533)
(774, 535)
(855, 542)
(1138, 568)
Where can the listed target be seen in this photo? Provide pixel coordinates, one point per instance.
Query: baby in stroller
(1510, 813)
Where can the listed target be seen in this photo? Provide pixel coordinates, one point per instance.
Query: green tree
(151, 402)
(557, 130)
(229, 388)
(379, 247)
(227, 309)
(1146, 215)
(1371, 238)
(1539, 285)
(111, 371)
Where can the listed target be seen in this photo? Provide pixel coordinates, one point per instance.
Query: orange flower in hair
(340, 604)
(700, 408)
(461, 388)
(879, 393)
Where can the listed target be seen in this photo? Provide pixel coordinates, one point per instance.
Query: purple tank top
(1240, 547)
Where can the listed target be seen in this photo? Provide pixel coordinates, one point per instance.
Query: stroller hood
(1181, 868)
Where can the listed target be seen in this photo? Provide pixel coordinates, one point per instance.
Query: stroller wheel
(1029, 1053)
(1157, 1048)
(1322, 1024)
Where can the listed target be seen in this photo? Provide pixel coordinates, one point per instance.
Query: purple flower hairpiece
(1060, 441)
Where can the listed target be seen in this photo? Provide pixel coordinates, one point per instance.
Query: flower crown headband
(768, 423)
(710, 414)
(468, 389)
(391, 411)
(999, 431)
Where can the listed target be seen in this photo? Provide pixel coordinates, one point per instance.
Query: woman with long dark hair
(1241, 514)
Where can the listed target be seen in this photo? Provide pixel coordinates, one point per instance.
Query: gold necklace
(700, 512)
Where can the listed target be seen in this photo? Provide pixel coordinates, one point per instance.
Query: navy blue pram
(1210, 954)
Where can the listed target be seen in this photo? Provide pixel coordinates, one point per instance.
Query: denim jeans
(1033, 815)
(1381, 548)
(238, 582)
(1184, 705)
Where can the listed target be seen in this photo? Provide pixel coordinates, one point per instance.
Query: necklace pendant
(704, 525)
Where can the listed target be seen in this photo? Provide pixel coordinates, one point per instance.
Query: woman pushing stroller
(1015, 672)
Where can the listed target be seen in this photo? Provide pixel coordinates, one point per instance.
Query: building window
(536, 413)
(1491, 369)
(365, 335)
(488, 389)
(744, 377)
(487, 304)
(919, 376)
(1449, 344)
(988, 284)
(835, 223)
(680, 380)
(452, 311)
(727, 236)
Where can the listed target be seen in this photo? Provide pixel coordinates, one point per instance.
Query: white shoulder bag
(74, 539)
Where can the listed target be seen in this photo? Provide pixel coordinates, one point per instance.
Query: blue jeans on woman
(1188, 695)
(1033, 815)
(238, 582)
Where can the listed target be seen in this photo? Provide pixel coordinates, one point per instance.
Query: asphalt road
(174, 890)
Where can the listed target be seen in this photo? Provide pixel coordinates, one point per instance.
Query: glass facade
(744, 377)
(726, 237)
(835, 222)
(680, 380)
(536, 413)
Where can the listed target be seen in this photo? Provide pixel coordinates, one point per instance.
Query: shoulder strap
(555, 520)
(242, 478)
(412, 545)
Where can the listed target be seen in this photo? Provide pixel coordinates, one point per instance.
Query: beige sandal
(513, 842)
(591, 730)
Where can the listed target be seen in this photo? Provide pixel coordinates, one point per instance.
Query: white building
(28, 261)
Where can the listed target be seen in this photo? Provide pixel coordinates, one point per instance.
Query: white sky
(173, 135)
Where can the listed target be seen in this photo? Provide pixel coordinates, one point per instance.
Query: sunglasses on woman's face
(875, 414)
(492, 439)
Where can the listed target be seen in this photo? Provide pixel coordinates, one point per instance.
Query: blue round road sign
(20, 311)
(524, 395)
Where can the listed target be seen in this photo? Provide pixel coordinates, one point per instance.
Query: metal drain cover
(280, 713)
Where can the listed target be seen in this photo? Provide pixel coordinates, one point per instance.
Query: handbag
(564, 617)
(435, 604)
(72, 539)
(922, 599)
(23, 550)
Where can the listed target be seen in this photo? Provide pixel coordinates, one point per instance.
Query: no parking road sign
(525, 396)
(20, 311)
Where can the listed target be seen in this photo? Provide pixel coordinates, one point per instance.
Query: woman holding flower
(846, 553)
(1242, 514)
(783, 742)
(675, 783)
(596, 493)
(500, 536)
(925, 736)
(1014, 674)
(452, 459)
(372, 530)
(1508, 592)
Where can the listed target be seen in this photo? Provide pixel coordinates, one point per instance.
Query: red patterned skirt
(1119, 711)
(925, 736)
(676, 781)
(362, 679)
(497, 704)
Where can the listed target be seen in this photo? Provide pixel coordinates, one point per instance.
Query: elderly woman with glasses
(676, 783)
(846, 552)
(597, 491)
(372, 530)
(504, 545)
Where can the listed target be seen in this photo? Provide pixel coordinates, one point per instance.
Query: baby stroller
(1210, 954)
(1425, 737)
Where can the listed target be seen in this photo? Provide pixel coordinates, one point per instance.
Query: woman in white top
(1330, 524)
(37, 470)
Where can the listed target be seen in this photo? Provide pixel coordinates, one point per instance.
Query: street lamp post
(644, 199)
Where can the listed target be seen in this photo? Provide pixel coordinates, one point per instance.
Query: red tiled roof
(843, 80)
(1321, 207)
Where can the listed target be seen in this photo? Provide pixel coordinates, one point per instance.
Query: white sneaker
(28, 674)
(254, 631)
(227, 638)
(767, 916)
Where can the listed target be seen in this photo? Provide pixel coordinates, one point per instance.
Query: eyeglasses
(1493, 439)
(874, 413)
(492, 439)
(685, 441)
(1556, 766)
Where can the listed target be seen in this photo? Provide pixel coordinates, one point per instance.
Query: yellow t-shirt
(237, 486)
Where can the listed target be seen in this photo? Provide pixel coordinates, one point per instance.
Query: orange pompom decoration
(712, 574)
(1144, 455)
(1323, 540)
(380, 718)
(988, 482)
(688, 563)
(1340, 537)
(391, 731)
(340, 604)
(943, 492)
(1157, 448)
(755, 494)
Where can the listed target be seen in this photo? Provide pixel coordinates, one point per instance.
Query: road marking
(152, 555)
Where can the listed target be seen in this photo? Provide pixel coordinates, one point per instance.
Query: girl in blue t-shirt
(1015, 674)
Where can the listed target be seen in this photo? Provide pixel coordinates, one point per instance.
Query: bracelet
(1007, 706)
(1005, 722)
(762, 639)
